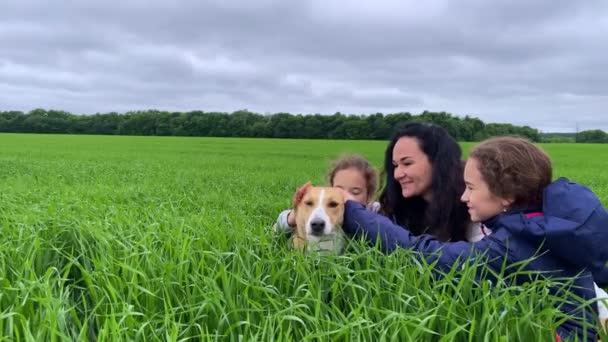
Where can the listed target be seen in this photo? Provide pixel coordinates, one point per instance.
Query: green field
(167, 238)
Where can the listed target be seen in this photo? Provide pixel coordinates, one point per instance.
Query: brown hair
(514, 168)
(348, 161)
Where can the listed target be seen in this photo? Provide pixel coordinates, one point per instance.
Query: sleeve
(281, 226)
(378, 229)
(601, 277)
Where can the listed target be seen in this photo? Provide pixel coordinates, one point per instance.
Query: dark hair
(355, 161)
(445, 217)
(515, 168)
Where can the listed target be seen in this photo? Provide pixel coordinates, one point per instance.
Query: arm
(282, 225)
(601, 277)
(379, 229)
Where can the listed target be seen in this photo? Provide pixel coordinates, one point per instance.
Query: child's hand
(347, 195)
(291, 218)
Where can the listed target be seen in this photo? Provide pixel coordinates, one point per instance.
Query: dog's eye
(332, 204)
(308, 203)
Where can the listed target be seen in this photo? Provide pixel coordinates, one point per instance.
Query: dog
(319, 214)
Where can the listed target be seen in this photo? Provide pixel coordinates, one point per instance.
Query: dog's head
(319, 213)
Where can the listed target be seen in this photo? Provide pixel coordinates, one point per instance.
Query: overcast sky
(542, 63)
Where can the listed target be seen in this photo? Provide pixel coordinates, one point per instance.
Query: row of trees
(592, 136)
(282, 125)
(589, 136)
(248, 124)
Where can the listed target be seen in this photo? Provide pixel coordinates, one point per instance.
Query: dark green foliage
(245, 124)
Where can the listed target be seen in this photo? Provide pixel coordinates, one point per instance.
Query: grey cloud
(536, 62)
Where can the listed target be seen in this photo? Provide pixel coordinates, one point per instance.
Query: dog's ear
(297, 197)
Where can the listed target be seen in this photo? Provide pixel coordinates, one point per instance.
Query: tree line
(589, 136)
(244, 123)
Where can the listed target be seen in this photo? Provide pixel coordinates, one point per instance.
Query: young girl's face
(482, 203)
(353, 181)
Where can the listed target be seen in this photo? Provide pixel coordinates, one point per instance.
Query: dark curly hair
(446, 216)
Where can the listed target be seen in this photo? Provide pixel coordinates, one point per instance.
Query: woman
(423, 182)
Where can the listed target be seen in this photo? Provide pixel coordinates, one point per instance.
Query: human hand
(347, 195)
(291, 219)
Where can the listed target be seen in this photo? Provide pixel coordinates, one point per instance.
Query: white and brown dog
(319, 213)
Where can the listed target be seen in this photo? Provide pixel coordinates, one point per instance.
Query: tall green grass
(165, 238)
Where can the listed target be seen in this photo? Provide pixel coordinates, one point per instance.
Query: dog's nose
(317, 227)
